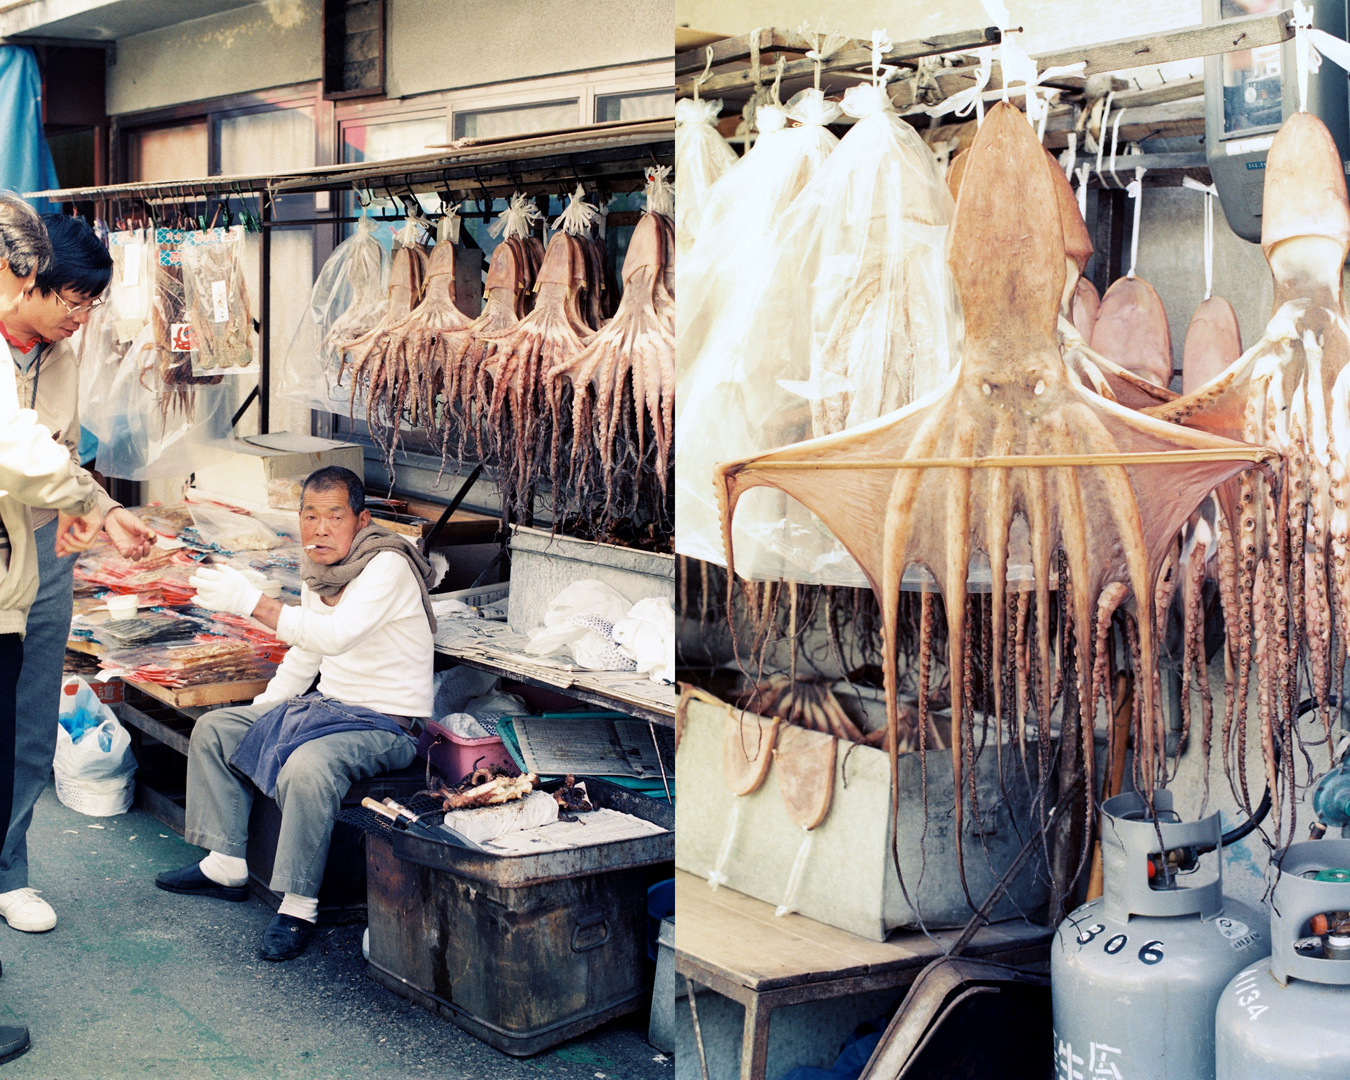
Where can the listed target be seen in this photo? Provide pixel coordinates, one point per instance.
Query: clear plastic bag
(701, 156)
(147, 430)
(740, 211)
(852, 315)
(111, 328)
(229, 531)
(348, 299)
(216, 301)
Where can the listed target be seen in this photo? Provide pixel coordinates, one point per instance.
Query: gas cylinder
(1288, 1016)
(1136, 975)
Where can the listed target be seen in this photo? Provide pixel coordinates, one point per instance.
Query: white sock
(227, 870)
(300, 907)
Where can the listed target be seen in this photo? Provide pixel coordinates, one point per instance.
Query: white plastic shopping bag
(94, 767)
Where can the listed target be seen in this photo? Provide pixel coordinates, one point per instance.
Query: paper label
(220, 301)
(1238, 933)
(181, 338)
(127, 329)
(131, 264)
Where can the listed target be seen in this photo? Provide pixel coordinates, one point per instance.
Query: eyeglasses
(78, 309)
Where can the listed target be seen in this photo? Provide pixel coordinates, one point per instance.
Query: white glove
(223, 588)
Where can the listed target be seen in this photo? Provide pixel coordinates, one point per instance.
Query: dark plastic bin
(524, 952)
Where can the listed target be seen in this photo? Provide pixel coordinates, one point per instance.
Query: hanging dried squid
(931, 484)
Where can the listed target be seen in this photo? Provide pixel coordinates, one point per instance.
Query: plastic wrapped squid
(701, 156)
(348, 299)
(739, 212)
(854, 315)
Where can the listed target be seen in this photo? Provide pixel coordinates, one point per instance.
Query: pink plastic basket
(455, 757)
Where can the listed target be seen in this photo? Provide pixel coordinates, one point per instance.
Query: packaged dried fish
(216, 301)
(227, 530)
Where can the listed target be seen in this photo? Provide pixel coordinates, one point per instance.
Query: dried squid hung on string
(701, 156)
(1284, 550)
(947, 481)
(348, 300)
(373, 357)
(518, 361)
(170, 318)
(1213, 340)
(622, 386)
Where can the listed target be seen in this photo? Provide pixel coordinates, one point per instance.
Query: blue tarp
(25, 160)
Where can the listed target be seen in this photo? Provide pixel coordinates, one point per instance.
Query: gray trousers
(309, 791)
(38, 697)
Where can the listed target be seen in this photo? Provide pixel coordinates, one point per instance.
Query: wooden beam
(856, 58)
(1248, 32)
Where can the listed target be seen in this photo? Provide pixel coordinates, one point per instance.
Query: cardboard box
(260, 458)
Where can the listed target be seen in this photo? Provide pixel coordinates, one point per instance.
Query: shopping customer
(46, 370)
(35, 471)
(364, 626)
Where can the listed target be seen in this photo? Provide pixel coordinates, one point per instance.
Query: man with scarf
(364, 625)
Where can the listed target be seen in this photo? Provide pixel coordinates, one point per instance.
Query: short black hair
(79, 259)
(335, 476)
(24, 245)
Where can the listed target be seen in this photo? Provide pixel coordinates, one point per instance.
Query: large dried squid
(624, 379)
(1284, 550)
(948, 478)
(517, 361)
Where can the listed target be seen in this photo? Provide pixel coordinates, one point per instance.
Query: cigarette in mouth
(310, 547)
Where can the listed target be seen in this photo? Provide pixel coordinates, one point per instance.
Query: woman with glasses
(38, 334)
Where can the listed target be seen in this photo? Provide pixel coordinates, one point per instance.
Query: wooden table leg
(755, 1039)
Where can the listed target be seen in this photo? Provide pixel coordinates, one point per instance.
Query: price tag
(132, 255)
(220, 300)
(181, 338)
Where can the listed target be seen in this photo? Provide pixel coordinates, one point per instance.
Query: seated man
(364, 626)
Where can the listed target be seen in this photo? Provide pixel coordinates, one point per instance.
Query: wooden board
(207, 694)
(743, 941)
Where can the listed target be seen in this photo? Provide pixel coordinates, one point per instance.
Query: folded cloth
(278, 733)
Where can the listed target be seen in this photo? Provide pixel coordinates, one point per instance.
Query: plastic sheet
(111, 328)
(348, 299)
(229, 531)
(852, 315)
(701, 156)
(739, 213)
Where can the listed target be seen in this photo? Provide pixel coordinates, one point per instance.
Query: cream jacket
(57, 401)
(35, 470)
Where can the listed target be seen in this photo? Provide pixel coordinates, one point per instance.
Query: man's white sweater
(373, 648)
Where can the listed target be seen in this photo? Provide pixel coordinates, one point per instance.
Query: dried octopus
(517, 359)
(949, 477)
(1284, 548)
(623, 382)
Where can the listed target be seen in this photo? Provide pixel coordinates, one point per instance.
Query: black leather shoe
(190, 881)
(14, 1041)
(285, 938)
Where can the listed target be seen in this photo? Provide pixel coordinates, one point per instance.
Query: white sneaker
(25, 910)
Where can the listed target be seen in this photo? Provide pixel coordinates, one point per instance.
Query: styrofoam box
(542, 565)
(260, 458)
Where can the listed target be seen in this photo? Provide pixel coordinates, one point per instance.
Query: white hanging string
(1135, 191)
(707, 73)
(1115, 141)
(578, 216)
(659, 192)
(1210, 192)
(517, 219)
(1101, 136)
(972, 97)
(1069, 158)
(448, 227)
(1305, 54)
(1083, 172)
(881, 71)
(824, 44)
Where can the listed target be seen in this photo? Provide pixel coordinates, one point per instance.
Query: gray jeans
(309, 791)
(38, 697)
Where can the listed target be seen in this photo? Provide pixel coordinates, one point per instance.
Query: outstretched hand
(131, 536)
(223, 588)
